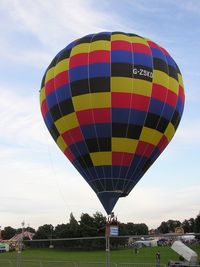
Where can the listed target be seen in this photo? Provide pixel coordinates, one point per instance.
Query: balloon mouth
(109, 198)
(124, 194)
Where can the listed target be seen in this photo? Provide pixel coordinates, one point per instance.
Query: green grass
(145, 255)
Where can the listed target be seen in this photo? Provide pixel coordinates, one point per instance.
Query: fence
(39, 263)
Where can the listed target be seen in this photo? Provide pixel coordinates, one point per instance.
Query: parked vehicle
(4, 247)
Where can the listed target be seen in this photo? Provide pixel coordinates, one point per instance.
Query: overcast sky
(38, 183)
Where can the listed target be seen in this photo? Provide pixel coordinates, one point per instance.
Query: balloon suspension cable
(111, 230)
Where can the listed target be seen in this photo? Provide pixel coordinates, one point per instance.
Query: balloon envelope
(112, 102)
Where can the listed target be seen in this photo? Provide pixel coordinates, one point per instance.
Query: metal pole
(19, 253)
(107, 250)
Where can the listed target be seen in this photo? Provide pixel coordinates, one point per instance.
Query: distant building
(179, 230)
(153, 232)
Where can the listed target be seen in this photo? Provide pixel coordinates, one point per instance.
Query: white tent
(187, 253)
(154, 243)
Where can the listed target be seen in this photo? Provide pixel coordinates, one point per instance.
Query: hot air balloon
(112, 102)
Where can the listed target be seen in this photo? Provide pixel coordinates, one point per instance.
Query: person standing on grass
(158, 259)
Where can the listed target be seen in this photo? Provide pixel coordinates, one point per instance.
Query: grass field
(145, 255)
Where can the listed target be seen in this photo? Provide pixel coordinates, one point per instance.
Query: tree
(87, 225)
(172, 224)
(133, 229)
(191, 223)
(197, 224)
(186, 226)
(62, 231)
(163, 228)
(169, 226)
(123, 229)
(44, 232)
(130, 229)
(74, 226)
(99, 223)
(141, 229)
(87, 228)
(8, 232)
(29, 229)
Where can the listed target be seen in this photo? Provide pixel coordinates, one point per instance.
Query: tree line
(190, 226)
(94, 226)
